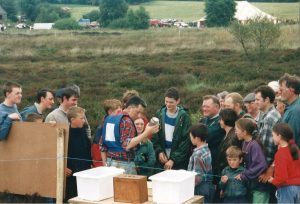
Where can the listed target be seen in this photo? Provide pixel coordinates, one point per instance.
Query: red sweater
(287, 170)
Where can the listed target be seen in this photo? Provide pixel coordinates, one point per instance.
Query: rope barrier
(88, 160)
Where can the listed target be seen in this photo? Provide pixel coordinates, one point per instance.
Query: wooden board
(28, 159)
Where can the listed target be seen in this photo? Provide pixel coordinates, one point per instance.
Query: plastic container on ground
(97, 183)
(173, 186)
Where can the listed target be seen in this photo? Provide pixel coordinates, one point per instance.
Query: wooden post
(60, 166)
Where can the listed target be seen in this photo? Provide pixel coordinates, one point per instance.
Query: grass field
(192, 10)
(105, 63)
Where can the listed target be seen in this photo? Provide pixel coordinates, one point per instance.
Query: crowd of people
(243, 149)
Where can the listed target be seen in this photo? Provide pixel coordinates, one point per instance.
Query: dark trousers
(206, 189)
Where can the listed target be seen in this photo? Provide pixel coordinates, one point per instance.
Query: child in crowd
(144, 155)
(200, 162)
(287, 165)
(79, 149)
(255, 161)
(233, 190)
(34, 117)
(111, 107)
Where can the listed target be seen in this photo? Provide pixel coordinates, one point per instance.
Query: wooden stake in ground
(60, 166)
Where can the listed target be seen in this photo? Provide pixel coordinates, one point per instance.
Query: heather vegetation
(105, 63)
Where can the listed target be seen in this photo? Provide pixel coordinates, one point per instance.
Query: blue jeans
(129, 167)
(288, 194)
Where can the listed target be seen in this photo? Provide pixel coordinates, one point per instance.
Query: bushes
(67, 24)
(136, 20)
(94, 15)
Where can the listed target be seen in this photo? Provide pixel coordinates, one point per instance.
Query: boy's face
(234, 162)
(78, 121)
(171, 104)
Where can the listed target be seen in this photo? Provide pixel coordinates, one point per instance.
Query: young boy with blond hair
(79, 149)
(233, 190)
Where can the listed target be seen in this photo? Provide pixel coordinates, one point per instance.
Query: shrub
(138, 19)
(219, 12)
(67, 24)
(94, 15)
(119, 23)
(111, 10)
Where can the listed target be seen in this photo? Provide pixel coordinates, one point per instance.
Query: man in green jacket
(172, 144)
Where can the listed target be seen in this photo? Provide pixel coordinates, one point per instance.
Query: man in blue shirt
(8, 109)
(289, 90)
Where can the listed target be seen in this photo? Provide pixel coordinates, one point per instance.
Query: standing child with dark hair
(255, 161)
(233, 190)
(200, 162)
(287, 165)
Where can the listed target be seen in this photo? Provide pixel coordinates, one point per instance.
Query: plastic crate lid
(173, 176)
(99, 172)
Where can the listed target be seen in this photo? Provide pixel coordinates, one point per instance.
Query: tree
(67, 24)
(256, 37)
(111, 10)
(219, 12)
(29, 8)
(10, 7)
(137, 1)
(138, 19)
(94, 15)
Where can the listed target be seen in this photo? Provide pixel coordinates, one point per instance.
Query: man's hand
(14, 116)
(68, 172)
(162, 158)
(224, 179)
(152, 129)
(169, 164)
(264, 178)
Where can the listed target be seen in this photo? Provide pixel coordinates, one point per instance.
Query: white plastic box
(173, 186)
(97, 183)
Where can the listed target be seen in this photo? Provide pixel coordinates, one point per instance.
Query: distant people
(280, 106)
(255, 161)
(34, 117)
(200, 162)
(119, 136)
(44, 101)
(264, 98)
(287, 165)
(8, 109)
(228, 117)
(144, 155)
(79, 149)
(221, 96)
(252, 107)
(172, 144)
(111, 107)
(290, 89)
(210, 110)
(235, 102)
(233, 190)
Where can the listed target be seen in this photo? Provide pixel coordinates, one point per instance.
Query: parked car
(21, 26)
(2, 27)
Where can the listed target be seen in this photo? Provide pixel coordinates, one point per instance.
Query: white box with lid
(173, 186)
(97, 183)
